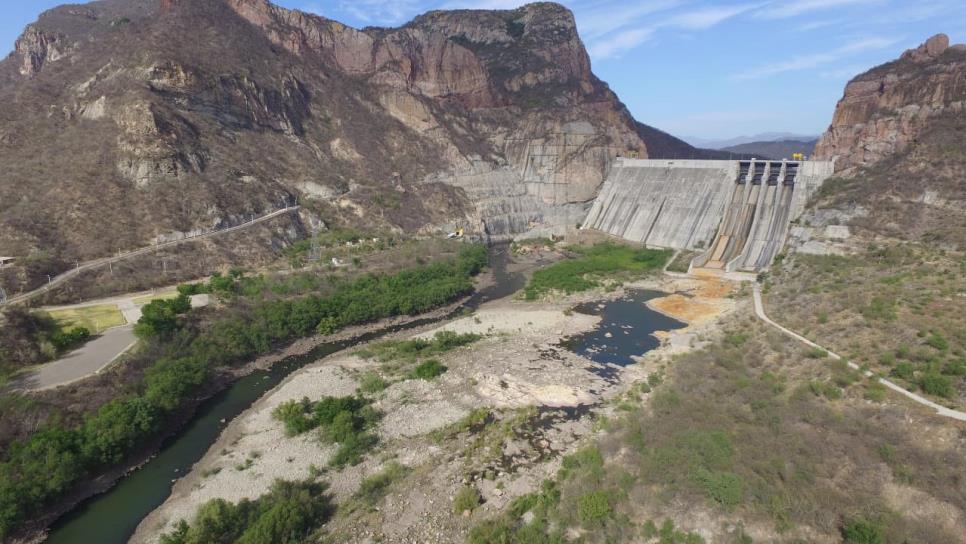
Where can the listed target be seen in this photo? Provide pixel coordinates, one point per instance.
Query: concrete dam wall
(737, 211)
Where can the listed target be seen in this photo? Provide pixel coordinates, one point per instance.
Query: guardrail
(105, 261)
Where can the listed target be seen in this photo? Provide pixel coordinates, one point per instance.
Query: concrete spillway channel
(737, 211)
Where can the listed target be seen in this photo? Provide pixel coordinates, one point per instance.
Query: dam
(736, 213)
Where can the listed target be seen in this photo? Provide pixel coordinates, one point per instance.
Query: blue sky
(702, 68)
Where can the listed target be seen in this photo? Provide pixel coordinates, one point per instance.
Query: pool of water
(113, 516)
(625, 331)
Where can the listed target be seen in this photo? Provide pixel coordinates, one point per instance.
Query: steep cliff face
(885, 109)
(899, 136)
(122, 121)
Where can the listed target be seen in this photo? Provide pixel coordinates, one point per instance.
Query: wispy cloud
(792, 8)
(814, 60)
(596, 20)
(701, 18)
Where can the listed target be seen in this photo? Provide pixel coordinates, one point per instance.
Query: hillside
(113, 134)
(899, 140)
(780, 149)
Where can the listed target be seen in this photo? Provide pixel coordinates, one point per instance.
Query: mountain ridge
(120, 135)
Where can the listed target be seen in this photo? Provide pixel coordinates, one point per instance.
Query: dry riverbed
(543, 400)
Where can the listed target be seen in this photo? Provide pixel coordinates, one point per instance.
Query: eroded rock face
(491, 120)
(887, 108)
(37, 48)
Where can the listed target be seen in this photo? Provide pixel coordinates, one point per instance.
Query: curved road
(941, 410)
(61, 278)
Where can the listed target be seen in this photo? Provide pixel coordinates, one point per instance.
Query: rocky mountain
(779, 149)
(899, 140)
(888, 107)
(122, 121)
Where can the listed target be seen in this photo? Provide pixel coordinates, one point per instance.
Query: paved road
(61, 278)
(941, 410)
(95, 355)
(89, 359)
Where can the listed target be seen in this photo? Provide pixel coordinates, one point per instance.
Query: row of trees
(38, 471)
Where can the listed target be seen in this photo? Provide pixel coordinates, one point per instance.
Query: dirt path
(941, 410)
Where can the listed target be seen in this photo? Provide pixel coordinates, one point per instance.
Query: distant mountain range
(710, 143)
(781, 149)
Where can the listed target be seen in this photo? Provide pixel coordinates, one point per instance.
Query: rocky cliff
(899, 137)
(122, 121)
(886, 109)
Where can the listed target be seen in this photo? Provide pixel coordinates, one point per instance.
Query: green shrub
(289, 512)
(594, 508)
(936, 384)
(427, 370)
(862, 531)
(816, 353)
(938, 342)
(64, 340)
(467, 498)
(723, 487)
(905, 371)
(880, 309)
(370, 382)
(875, 391)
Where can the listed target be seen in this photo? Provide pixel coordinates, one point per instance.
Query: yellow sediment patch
(708, 299)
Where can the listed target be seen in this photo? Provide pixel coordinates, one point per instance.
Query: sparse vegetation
(893, 310)
(466, 500)
(590, 264)
(341, 420)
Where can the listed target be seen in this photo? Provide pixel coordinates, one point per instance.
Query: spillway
(738, 212)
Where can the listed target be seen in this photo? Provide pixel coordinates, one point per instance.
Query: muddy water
(625, 331)
(112, 517)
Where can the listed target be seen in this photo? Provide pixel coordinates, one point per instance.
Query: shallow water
(113, 516)
(626, 330)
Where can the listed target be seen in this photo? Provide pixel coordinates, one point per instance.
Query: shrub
(64, 340)
(905, 371)
(862, 531)
(816, 353)
(936, 384)
(593, 508)
(427, 370)
(875, 391)
(723, 487)
(938, 342)
(467, 498)
(370, 382)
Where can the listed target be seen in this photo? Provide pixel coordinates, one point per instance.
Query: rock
(887, 108)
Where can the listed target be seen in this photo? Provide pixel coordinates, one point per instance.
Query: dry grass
(93, 318)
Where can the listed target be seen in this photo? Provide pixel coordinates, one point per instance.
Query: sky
(695, 68)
